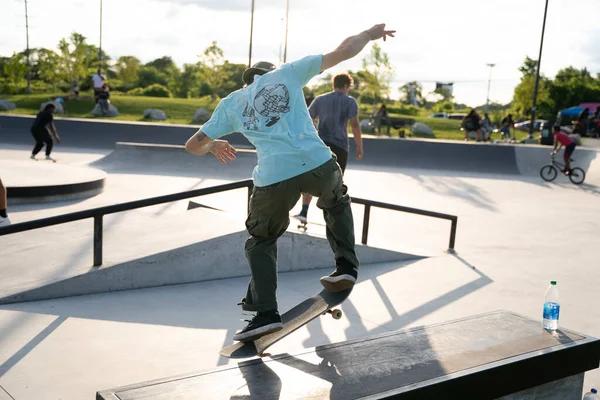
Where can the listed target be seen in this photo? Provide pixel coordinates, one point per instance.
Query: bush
(138, 91)
(405, 109)
(157, 90)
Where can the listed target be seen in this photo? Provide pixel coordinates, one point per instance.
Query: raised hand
(378, 31)
(223, 151)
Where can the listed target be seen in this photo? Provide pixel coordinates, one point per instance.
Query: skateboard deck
(311, 308)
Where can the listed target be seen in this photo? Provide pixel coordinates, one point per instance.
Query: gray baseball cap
(260, 68)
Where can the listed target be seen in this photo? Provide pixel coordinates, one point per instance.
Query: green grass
(181, 111)
(131, 108)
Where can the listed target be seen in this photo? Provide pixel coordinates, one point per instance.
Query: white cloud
(436, 40)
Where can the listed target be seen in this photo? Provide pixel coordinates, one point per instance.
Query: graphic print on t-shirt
(251, 123)
(271, 101)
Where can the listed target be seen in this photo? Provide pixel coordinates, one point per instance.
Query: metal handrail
(370, 203)
(100, 212)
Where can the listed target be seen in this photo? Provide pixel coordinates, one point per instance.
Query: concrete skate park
(145, 314)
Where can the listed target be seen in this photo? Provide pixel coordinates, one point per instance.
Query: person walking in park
(333, 111)
(4, 220)
(271, 112)
(42, 123)
(97, 83)
(505, 125)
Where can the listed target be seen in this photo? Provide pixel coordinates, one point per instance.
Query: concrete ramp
(173, 160)
(185, 251)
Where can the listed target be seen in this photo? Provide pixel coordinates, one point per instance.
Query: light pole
(487, 101)
(251, 29)
(537, 76)
(100, 48)
(287, 12)
(27, 51)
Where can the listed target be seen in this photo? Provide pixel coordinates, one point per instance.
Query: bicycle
(550, 172)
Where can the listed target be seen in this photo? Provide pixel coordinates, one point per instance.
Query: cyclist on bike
(562, 139)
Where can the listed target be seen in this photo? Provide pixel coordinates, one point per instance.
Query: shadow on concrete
(261, 382)
(451, 186)
(39, 338)
(180, 309)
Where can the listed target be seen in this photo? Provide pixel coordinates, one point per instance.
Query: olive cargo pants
(269, 218)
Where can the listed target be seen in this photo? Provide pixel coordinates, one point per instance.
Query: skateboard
(303, 225)
(320, 304)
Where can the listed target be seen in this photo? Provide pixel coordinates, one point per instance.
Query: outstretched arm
(353, 45)
(200, 144)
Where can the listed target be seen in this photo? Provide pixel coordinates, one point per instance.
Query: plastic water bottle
(551, 308)
(591, 395)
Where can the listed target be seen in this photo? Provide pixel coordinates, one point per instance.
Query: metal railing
(98, 213)
(370, 203)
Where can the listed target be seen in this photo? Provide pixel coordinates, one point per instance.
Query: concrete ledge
(498, 355)
(218, 258)
(43, 181)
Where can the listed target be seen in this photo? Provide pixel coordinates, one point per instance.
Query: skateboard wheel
(336, 314)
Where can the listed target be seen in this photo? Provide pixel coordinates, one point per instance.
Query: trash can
(546, 135)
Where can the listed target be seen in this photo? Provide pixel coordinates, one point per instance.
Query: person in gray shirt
(333, 111)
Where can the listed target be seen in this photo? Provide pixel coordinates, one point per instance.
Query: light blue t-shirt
(271, 113)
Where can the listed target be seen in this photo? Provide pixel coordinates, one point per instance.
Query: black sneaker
(262, 324)
(341, 279)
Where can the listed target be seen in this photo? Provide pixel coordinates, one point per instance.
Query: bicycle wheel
(548, 173)
(577, 175)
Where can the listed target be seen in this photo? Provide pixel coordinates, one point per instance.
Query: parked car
(524, 126)
(459, 116)
(438, 115)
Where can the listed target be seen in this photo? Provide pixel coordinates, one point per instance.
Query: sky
(436, 40)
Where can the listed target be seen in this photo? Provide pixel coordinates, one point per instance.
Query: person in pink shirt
(562, 139)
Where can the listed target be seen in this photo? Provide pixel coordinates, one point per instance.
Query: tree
(377, 73)
(529, 67)
(408, 90)
(444, 94)
(573, 86)
(127, 68)
(189, 81)
(45, 66)
(73, 57)
(16, 69)
(211, 71)
(149, 76)
(163, 64)
(523, 93)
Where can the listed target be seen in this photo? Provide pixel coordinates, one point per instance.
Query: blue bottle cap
(594, 391)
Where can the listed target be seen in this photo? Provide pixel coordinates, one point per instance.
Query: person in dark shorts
(562, 139)
(42, 123)
(333, 111)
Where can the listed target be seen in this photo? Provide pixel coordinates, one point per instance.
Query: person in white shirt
(98, 82)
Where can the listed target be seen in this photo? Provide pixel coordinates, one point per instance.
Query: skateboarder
(39, 130)
(292, 159)
(334, 110)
